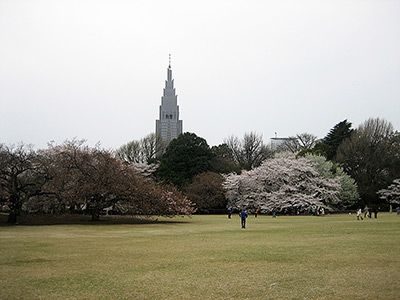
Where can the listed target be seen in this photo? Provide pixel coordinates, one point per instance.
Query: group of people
(243, 215)
(367, 212)
(317, 211)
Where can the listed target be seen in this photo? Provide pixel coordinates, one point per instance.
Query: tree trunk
(95, 216)
(12, 218)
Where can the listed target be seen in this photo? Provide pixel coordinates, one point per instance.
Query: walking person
(256, 213)
(359, 214)
(273, 213)
(376, 209)
(365, 211)
(243, 215)
(229, 213)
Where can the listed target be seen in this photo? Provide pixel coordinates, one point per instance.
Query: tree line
(364, 161)
(73, 177)
(348, 168)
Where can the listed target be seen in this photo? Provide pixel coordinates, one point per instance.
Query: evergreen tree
(334, 138)
(185, 157)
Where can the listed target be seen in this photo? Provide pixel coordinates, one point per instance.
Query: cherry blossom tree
(284, 184)
(93, 178)
(22, 177)
(392, 193)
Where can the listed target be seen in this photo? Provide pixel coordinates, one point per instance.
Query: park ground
(204, 257)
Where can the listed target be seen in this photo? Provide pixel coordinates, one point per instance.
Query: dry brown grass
(206, 257)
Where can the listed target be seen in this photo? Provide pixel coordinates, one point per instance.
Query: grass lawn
(205, 257)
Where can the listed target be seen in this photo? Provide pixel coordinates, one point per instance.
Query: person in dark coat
(243, 215)
(229, 213)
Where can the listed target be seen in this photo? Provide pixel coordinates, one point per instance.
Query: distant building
(169, 126)
(275, 143)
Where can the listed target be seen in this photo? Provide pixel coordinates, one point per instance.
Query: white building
(169, 126)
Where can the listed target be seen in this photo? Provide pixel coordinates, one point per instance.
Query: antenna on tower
(169, 61)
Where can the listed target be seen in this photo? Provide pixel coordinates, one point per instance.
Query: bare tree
(248, 152)
(152, 146)
(146, 150)
(290, 144)
(131, 152)
(254, 150)
(234, 146)
(306, 140)
(299, 142)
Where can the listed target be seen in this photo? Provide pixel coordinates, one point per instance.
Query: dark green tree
(372, 157)
(334, 138)
(329, 144)
(185, 157)
(222, 161)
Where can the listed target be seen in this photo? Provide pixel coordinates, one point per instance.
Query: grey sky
(96, 69)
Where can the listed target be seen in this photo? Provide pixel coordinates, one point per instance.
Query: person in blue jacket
(243, 215)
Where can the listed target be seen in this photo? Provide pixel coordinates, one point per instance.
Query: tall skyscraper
(169, 126)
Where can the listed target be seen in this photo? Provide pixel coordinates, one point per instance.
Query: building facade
(169, 126)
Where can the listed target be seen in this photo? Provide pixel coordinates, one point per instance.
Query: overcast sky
(96, 69)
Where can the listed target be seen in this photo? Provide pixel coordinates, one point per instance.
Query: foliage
(335, 137)
(185, 157)
(284, 184)
(348, 187)
(372, 157)
(224, 165)
(249, 152)
(222, 161)
(206, 192)
(22, 176)
(95, 179)
(329, 144)
(73, 176)
(392, 193)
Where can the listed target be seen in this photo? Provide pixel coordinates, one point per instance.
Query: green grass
(206, 257)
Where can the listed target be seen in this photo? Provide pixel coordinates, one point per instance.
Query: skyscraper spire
(169, 126)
